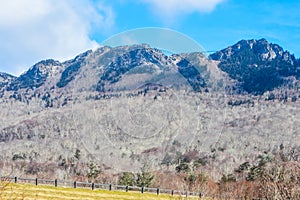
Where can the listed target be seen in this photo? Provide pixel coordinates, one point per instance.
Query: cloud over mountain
(33, 30)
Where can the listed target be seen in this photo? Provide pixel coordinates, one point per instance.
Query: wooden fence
(98, 186)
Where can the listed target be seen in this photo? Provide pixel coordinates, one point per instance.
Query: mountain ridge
(248, 62)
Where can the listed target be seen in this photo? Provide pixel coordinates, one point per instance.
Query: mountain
(129, 105)
(258, 65)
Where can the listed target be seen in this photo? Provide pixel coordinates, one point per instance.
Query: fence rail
(97, 186)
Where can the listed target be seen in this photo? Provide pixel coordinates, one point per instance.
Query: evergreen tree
(145, 178)
(127, 178)
(94, 171)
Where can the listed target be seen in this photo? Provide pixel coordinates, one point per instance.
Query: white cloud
(41, 29)
(16, 12)
(172, 8)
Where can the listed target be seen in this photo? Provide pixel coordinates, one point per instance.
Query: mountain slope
(5, 79)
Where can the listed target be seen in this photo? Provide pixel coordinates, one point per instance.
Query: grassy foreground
(29, 191)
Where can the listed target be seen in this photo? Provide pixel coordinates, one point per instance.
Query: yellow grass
(43, 192)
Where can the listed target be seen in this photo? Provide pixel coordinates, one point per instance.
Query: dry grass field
(43, 192)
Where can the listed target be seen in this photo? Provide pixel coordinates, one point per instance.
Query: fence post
(16, 179)
(110, 187)
(172, 192)
(142, 190)
(93, 186)
(55, 182)
(157, 191)
(75, 184)
(126, 188)
(186, 194)
(36, 181)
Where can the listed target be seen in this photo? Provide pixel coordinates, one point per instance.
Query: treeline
(273, 175)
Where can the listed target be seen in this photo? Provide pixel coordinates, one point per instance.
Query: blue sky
(34, 30)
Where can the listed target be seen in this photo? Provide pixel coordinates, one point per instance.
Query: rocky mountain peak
(261, 49)
(266, 51)
(45, 68)
(254, 62)
(36, 75)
